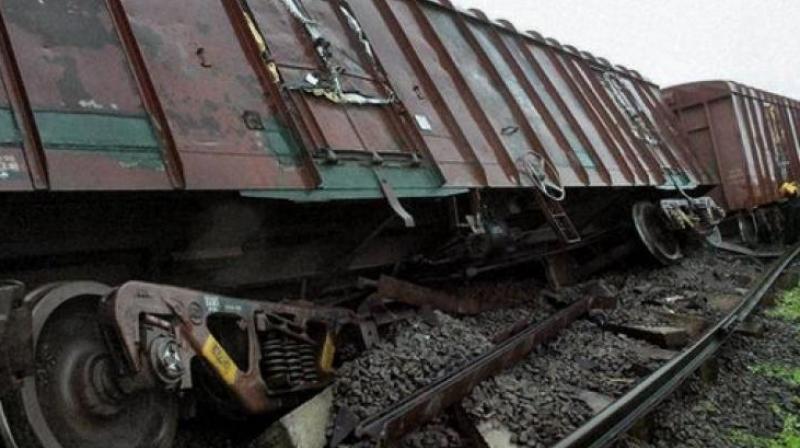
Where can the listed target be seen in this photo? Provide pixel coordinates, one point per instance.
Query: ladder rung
(558, 219)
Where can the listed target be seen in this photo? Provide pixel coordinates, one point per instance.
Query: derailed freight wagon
(231, 146)
(750, 139)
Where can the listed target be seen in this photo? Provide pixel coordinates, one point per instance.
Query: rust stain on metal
(411, 294)
(189, 312)
(404, 83)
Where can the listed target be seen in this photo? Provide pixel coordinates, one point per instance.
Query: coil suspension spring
(288, 363)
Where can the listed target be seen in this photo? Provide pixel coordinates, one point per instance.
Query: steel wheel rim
(72, 401)
(748, 229)
(659, 240)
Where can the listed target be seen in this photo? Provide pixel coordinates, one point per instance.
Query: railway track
(406, 388)
(623, 414)
(186, 221)
(631, 398)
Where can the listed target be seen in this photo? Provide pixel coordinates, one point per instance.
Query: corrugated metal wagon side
(749, 137)
(490, 95)
(279, 105)
(275, 149)
(227, 95)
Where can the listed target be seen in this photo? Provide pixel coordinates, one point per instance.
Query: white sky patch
(751, 41)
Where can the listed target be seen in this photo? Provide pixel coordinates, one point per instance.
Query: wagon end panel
(793, 123)
(754, 136)
(721, 148)
(737, 167)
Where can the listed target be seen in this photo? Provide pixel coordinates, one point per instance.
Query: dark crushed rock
(538, 399)
(417, 355)
(684, 288)
(436, 434)
(491, 323)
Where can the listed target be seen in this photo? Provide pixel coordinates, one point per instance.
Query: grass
(788, 374)
(788, 438)
(788, 306)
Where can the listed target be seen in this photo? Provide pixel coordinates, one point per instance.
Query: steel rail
(430, 401)
(620, 416)
(741, 250)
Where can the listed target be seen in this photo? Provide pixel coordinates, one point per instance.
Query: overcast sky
(756, 42)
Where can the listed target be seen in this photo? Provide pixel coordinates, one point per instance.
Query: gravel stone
(707, 415)
(538, 400)
(419, 354)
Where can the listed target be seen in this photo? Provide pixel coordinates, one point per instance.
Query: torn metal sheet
(332, 91)
(356, 27)
(330, 86)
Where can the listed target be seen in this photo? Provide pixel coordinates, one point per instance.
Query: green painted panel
(281, 143)
(348, 180)
(96, 132)
(350, 195)
(9, 132)
(677, 179)
(357, 176)
(358, 181)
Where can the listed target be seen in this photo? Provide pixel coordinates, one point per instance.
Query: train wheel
(73, 399)
(656, 235)
(748, 229)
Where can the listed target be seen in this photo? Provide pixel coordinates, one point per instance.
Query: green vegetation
(788, 438)
(786, 373)
(788, 306)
